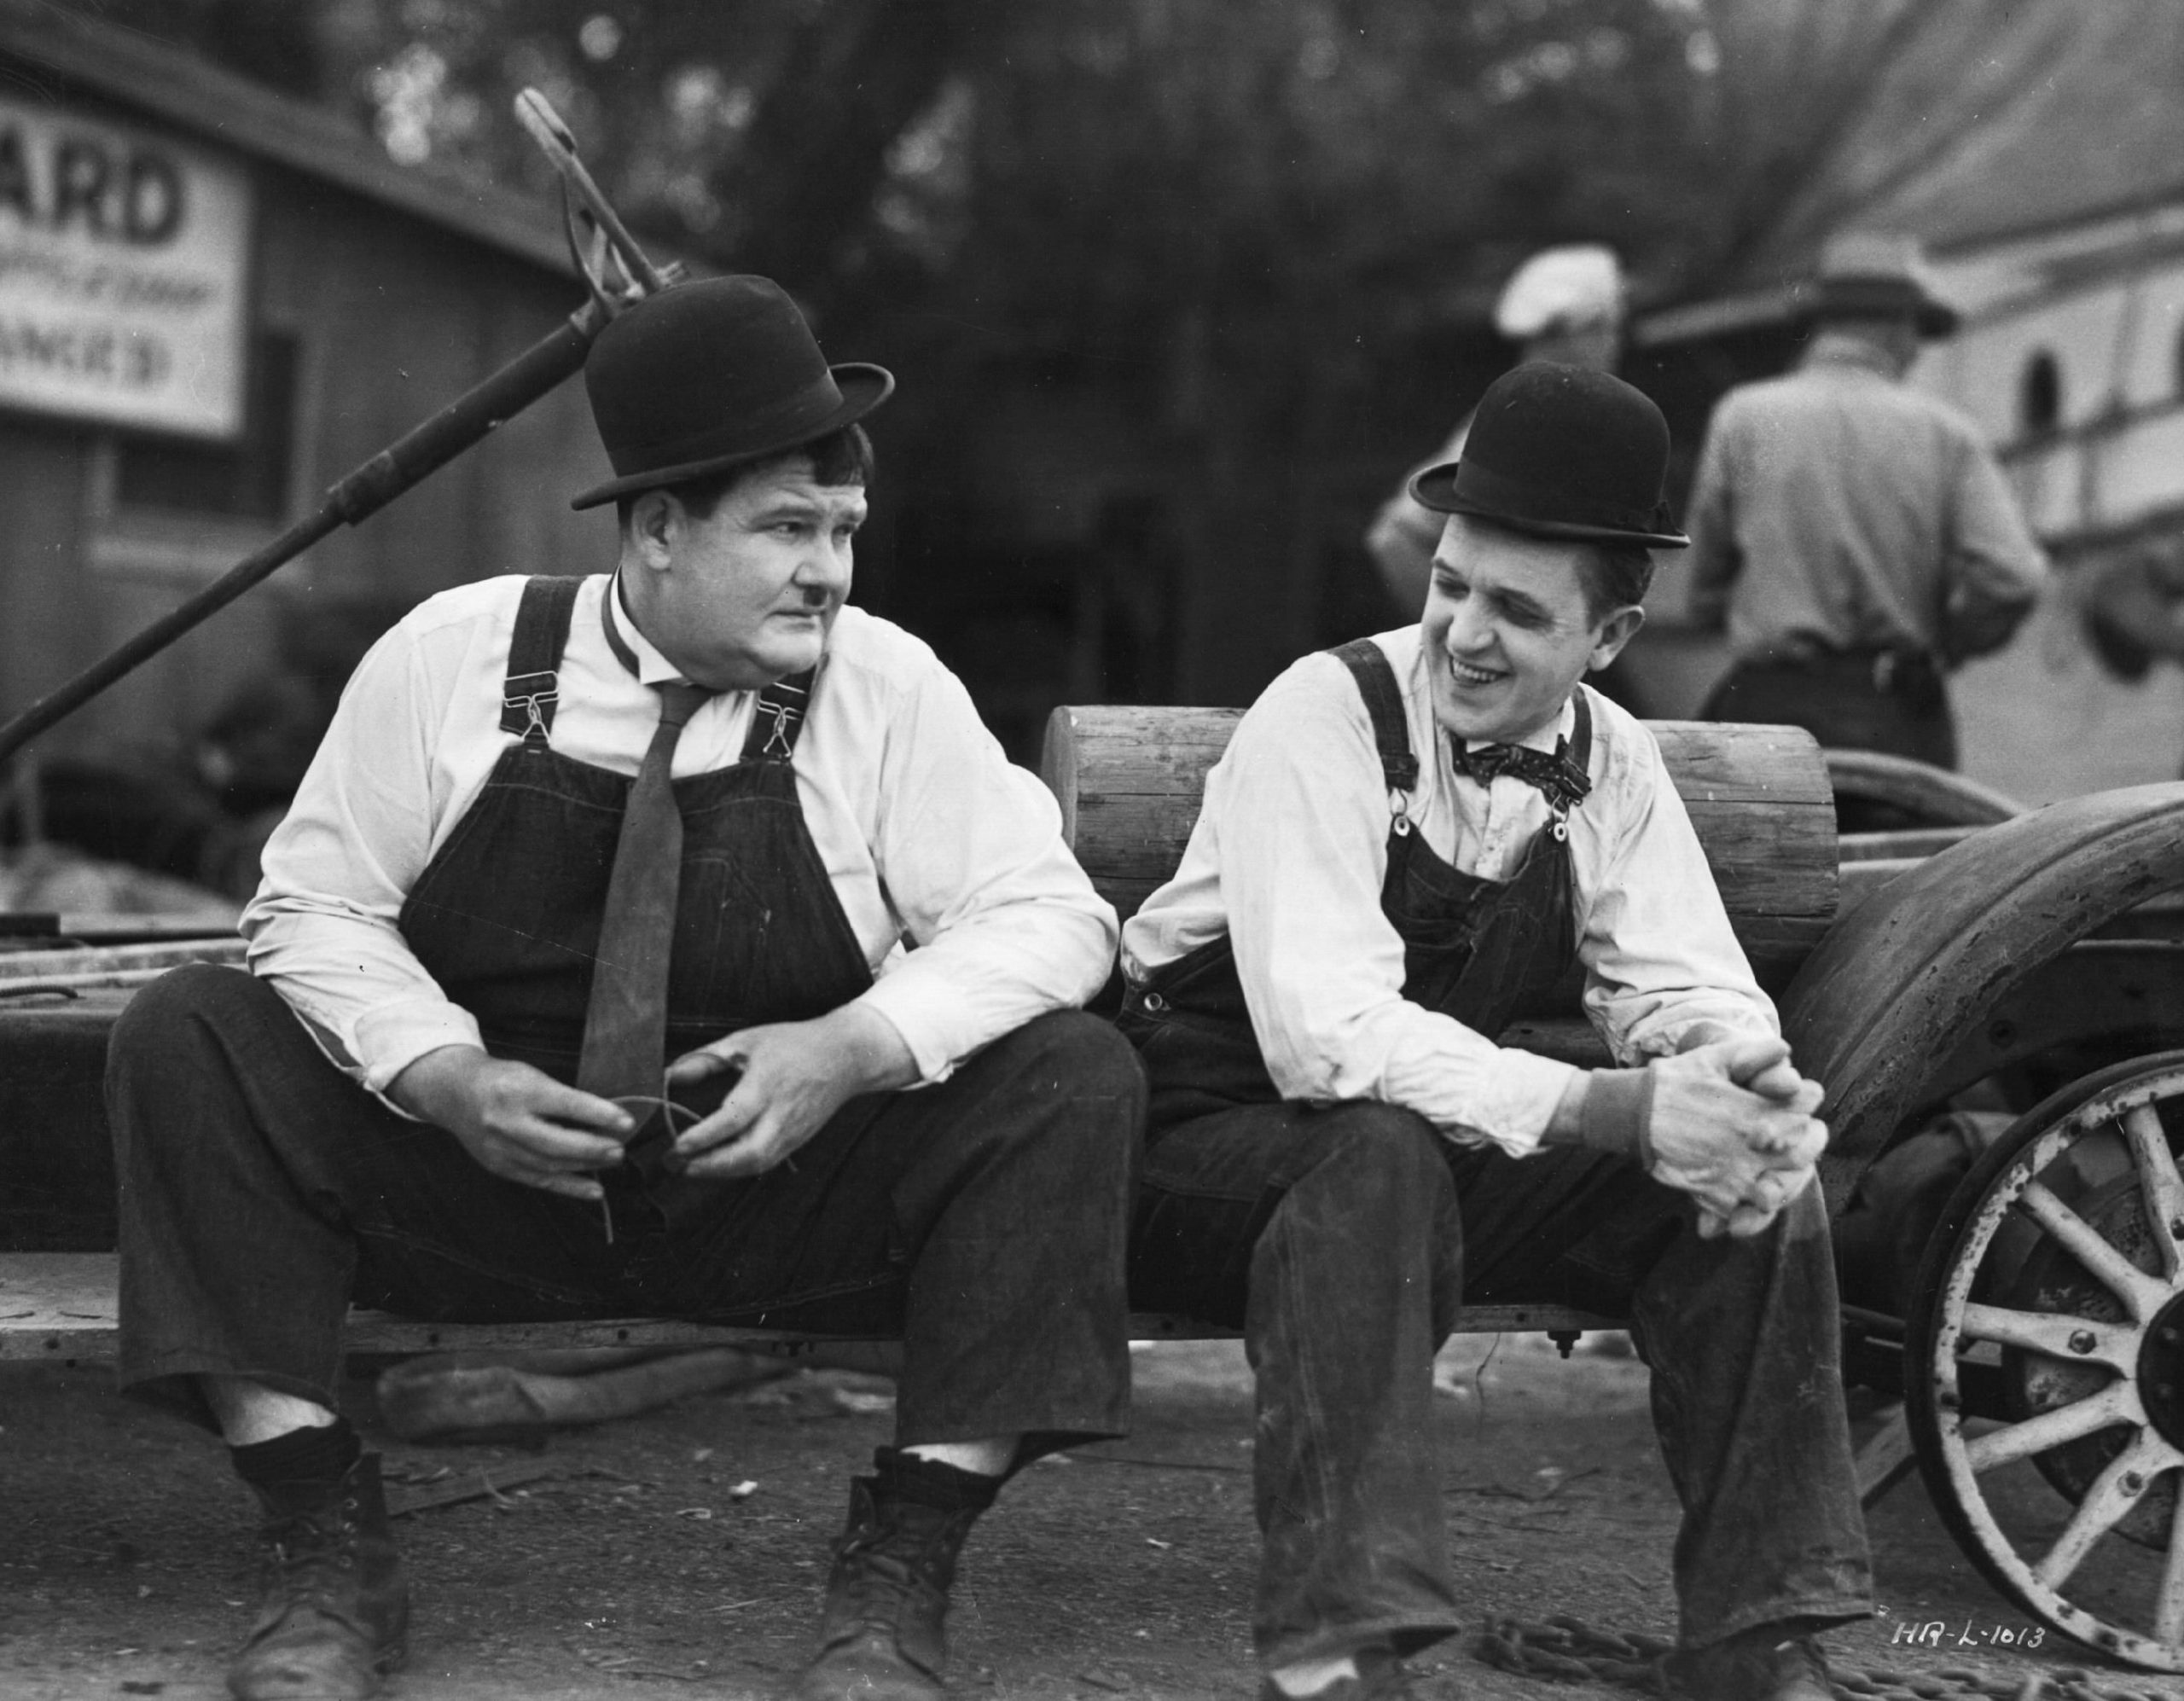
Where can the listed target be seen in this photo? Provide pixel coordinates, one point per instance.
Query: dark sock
(928, 1482)
(302, 1467)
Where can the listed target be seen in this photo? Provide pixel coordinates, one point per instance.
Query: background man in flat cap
(1851, 532)
(483, 955)
(1564, 303)
(1408, 838)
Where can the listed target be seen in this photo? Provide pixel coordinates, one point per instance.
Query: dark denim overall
(1476, 950)
(907, 1211)
(1341, 1237)
(506, 916)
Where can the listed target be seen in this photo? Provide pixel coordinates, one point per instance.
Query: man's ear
(1617, 631)
(655, 526)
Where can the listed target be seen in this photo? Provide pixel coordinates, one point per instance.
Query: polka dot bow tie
(1562, 781)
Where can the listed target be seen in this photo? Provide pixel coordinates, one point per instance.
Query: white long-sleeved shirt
(1288, 857)
(1838, 508)
(931, 838)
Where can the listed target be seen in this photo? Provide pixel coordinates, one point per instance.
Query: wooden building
(215, 301)
(2051, 201)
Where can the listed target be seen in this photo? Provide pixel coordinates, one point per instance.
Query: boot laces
(900, 1567)
(312, 1556)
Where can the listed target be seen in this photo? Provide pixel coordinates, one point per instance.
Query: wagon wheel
(2049, 1330)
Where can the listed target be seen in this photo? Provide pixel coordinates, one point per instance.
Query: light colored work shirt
(1288, 857)
(931, 838)
(1837, 509)
(1405, 532)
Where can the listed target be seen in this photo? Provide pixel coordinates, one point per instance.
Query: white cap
(1580, 284)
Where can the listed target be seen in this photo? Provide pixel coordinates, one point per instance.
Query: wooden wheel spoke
(2113, 1495)
(2142, 1295)
(2076, 1340)
(2116, 1403)
(2168, 1609)
(2162, 1185)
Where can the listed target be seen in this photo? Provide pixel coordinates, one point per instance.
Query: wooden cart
(2026, 956)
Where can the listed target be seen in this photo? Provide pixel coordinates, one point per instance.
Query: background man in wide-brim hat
(572, 849)
(1852, 533)
(1407, 838)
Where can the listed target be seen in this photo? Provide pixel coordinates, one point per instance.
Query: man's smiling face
(1509, 631)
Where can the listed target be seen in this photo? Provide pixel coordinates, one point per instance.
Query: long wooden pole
(418, 455)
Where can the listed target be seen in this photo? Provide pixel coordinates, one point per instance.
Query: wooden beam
(60, 1306)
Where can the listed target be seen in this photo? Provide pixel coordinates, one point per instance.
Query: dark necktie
(625, 1023)
(1563, 783)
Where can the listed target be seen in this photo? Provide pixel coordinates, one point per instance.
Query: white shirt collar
(652, 667)
(1545, 737)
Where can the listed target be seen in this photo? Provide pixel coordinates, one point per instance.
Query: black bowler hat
(1561, 451)
(705, 374)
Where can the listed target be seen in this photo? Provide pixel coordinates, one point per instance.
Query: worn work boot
(336, 1603)
(882, 1637)
(1769, 1663)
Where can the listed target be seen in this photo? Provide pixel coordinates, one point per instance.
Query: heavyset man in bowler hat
(1407, 839)
(577, 988)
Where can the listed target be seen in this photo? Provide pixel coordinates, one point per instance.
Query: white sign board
(124, 257)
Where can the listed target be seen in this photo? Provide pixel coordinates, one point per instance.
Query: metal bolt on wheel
(2049, 1331)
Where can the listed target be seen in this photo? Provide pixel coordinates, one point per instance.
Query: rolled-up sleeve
(1302, 851)
(322, 928)
(1002, 923)
(1664, 971)
(1996, 569)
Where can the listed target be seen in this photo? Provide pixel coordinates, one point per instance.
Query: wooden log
(1129, 780)
(79, 965)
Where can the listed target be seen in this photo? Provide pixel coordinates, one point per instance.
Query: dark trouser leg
(1018, 1316)
(255, 1179)
(1331, 1236)
(261, 1191)
(1748, 1400)
(1838, 703)
(1340, 1233)
(1742, 1337)
(985, 1217)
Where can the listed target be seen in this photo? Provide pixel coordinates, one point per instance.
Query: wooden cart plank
(62, 1305)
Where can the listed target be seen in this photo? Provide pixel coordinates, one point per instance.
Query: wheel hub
(2161, 1372)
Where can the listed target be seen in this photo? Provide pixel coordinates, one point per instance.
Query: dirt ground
(681, 1552)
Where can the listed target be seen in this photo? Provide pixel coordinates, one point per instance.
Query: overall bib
(1341, 1237)
(506, 916)
(262, 1190)
(1475, 949)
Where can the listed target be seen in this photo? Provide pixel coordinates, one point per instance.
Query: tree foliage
(1266, 234)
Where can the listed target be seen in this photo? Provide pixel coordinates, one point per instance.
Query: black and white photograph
(878, 850)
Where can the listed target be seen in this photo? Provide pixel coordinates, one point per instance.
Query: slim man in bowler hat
(1409, 838)
(479, 964)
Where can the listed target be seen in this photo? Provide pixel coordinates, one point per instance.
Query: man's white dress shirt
(932, 839)
(1289, 854)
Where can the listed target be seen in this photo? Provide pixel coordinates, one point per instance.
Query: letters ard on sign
(123, 256)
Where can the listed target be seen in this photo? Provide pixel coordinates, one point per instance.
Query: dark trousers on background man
(1889, 701)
